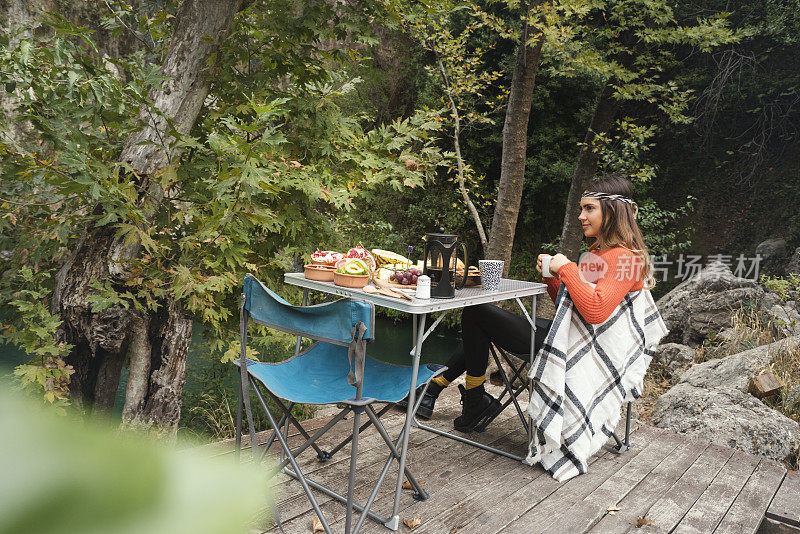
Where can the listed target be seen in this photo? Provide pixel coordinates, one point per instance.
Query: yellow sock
(441, 381)
(474, 381)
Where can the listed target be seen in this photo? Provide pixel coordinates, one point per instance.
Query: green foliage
(784, 287)
(460, 35)
(46, 370)
(303, 144)
(631, 45)
(98, 480)
(659, 228)
(81, 114)
(256, 185)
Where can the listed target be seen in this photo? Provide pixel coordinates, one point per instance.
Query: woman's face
(591, 217)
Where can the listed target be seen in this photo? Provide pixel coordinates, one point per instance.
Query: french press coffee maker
(439, 262)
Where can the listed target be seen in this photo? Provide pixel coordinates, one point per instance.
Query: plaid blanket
(582, 375)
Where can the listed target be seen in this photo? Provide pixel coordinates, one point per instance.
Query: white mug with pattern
(491, 272)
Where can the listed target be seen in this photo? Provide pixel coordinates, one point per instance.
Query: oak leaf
(642, 521)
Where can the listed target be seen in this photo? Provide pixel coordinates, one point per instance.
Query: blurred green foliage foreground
(61, 475)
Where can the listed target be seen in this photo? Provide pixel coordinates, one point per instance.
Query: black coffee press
(439, 262)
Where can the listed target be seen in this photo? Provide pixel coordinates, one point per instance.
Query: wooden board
(477, 492)
(436, 465)
(591, 509)
(671, 507)
(785, 507)
(414, 286)
(747, 511)
(547, 502)
(651, 488)
(292, 501)
(394, 285)
(463, 471)
(706, 513)
(765, 385)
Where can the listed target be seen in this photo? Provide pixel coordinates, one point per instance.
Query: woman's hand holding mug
(543, 261)
(549, 265)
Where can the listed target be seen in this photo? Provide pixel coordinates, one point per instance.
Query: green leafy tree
(225, 150)
(630, 45)
(449, 32)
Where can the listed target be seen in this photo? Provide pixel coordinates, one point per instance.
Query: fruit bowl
(350, 280)
(320, 273)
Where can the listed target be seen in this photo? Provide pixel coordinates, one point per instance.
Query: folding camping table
(419, 310)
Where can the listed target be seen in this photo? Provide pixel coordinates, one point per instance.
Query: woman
(617, 262)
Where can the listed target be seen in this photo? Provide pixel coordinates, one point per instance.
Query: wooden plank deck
(675, 483)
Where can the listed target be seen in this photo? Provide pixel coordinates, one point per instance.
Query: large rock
(712, 313)
(674, 358)
(728, 417)
(792, 400)
(704, 303)
(773, 256)
(794, 263)
(711, 403)
(736, 371)
(785, 319)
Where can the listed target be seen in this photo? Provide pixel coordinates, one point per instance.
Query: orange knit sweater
(621, 273)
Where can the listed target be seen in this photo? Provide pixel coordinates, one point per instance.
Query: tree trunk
(585, 169)
(102, 339)
(14, 14)
(515, 143)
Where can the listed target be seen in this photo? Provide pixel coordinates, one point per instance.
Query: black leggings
(484, 324)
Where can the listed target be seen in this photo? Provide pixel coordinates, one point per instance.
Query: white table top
(468, 296)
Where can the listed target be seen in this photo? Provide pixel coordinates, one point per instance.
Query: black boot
(425, 410)
(478, 408)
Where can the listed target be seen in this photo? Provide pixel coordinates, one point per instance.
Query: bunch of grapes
(407, 277)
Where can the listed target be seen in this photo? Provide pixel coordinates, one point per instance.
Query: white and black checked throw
(582, 375)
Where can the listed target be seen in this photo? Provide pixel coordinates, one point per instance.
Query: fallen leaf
(642, 521)
(407, 484)
(316, 524)
(611, 510)
(412, 523)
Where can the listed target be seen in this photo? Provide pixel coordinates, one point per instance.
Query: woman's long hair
(619, 227)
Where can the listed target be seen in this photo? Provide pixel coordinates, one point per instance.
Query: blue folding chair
(334, 370)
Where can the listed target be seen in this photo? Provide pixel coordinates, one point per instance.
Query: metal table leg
(532, 356)
(394, 522)
(456, 437)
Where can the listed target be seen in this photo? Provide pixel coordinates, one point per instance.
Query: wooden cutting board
(470, 283)
(386, 292)
(395, 285)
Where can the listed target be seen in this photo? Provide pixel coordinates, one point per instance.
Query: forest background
(130, 212)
